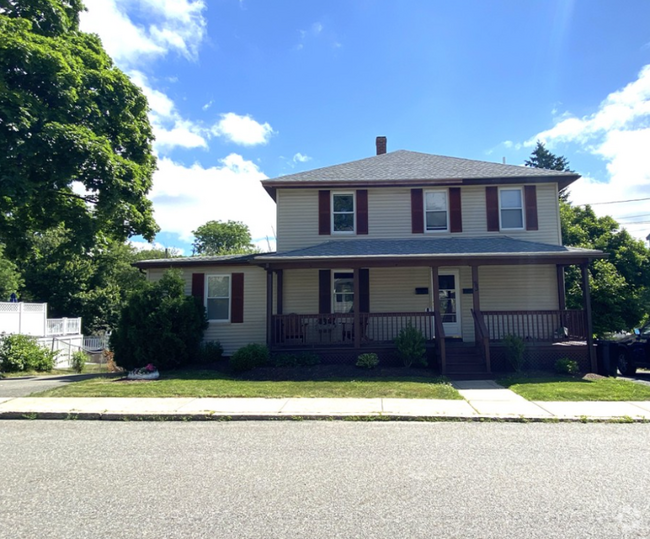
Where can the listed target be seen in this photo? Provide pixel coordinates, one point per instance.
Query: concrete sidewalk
(484, 400)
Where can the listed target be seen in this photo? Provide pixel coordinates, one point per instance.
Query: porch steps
(464, 360)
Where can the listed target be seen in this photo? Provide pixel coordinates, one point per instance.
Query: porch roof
(480, 249)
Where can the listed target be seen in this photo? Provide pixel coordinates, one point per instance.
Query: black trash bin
(607, 356)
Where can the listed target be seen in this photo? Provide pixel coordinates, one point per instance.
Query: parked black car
(634, 351)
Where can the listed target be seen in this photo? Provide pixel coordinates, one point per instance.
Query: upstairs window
(218, 297)
(435, 211)
(511, 209)
(343, 213)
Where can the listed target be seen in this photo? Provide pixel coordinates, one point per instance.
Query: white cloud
(172, 25)
(618, 133)
(186, 197)
(146, 246)
(300, 158)
(170, 129)
(242, 130)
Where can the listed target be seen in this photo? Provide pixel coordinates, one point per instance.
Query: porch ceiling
(500, 250)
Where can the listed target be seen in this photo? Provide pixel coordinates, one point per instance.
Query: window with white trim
(343, 284)
(343, 206)
(217, 299)
(511, 209)
(436, 214)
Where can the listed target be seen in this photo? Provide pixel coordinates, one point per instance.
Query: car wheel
(625, 365)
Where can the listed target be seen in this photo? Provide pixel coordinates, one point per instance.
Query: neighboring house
(466, 251)
(61, 334)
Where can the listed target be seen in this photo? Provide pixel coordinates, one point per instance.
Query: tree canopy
(75, 139)
(543, 158)
(222, 238)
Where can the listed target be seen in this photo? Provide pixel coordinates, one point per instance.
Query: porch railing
(543, 326)
(63, 326)
(338, 329)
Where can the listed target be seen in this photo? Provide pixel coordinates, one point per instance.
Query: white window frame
(523, 213)
(354, 212)
(424, 209)
(229, 298)
(334, 272)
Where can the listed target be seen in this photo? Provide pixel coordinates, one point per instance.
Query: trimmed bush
(367, 361)
(159, 325)
(515, 348)
(410, 346)
(78, 361)
(20, 353)
(566, 366)
(210, 352)
(249, 357)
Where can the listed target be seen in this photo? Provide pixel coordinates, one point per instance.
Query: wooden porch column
(279, 292)
(561, 291)
(476, 299)
(475, 290)
(436, 313)
(357, 310)
(269, 307)
(586, 296)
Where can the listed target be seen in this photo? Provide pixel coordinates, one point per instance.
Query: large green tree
(620, 284)
(75, 139)
(222, 238)
(10, 279)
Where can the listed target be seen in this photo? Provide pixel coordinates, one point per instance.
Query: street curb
(126, 417)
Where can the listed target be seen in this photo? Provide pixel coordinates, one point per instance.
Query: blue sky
(241, 90)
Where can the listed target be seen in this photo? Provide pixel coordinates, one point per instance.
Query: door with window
(449, 303)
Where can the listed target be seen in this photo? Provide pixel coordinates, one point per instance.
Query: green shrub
(411, 347)
(159, 325)
(210, 352)
(566, 366)
(515, 347)
(308, 359)
(249, 357)
(367, 361)
(22, 353)
(78, 361)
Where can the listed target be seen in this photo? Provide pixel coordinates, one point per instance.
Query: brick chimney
(381, 145)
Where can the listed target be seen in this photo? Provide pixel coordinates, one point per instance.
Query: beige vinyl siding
(300, 291)
(518, 288)
(389, 216)
(392, 290)
(233, 336)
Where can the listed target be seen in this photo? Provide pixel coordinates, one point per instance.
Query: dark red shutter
(530, 196)
(417, 212)
(324, 226)
(455, 211)
(324, 292)
(364, 290)
(492, 208)
(237, 298)
(362, 211)
(198, 286)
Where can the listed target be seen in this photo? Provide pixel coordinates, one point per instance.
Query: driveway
(21, 387)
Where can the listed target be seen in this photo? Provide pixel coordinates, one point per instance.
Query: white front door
(450, 302)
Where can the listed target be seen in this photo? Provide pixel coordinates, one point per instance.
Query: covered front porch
(462, 303)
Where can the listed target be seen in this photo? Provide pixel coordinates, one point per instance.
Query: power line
(614, 202)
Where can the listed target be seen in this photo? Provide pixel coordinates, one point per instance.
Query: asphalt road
(22, 387)
(71, 479)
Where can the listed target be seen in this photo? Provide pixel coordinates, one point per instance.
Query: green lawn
(90, 368)
(188, 383)
(566, 388)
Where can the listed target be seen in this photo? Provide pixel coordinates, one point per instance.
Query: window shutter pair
(454, 209)
(492, 207)
(325, 212)
(236, 294)
(325, 291)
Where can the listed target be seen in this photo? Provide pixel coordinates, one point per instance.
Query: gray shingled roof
(493, 246)
(194, 261)
(403, 165)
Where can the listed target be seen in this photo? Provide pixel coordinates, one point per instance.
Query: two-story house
(466, 251)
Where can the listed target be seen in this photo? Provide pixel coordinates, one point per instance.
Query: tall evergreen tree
(542, 158)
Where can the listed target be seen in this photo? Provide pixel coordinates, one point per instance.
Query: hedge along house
(465, 251)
